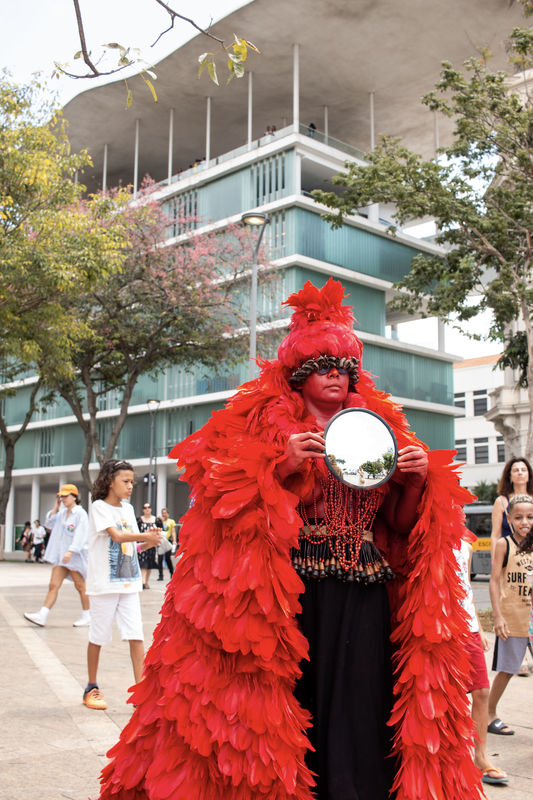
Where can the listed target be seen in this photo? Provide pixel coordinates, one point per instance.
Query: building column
(441, 336)
(10, 522)
(35, 498)
(373, 209)
(170, 144)
(326, 124)
(104, 170)
(250, 108)
(161, 500)
(208, 132)
(372, 122)
(297, 173)
(296, 87)
(136, 160)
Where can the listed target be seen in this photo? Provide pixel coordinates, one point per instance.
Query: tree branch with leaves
(234, 52)
(170, 304)
(479, 191)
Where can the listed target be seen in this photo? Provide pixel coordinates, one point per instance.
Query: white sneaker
(84, 620)
(36, 618)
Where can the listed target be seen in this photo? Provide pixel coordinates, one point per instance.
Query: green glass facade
(294, 231)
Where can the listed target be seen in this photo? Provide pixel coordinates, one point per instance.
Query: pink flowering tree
(173, 302)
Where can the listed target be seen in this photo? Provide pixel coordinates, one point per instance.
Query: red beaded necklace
(339, 541)
(348, 514)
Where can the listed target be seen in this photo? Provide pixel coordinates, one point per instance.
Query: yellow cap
(68, 488)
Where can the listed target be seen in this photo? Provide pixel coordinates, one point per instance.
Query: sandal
(497, 776)
(499, 727)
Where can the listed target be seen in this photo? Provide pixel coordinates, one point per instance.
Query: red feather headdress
(320, 325)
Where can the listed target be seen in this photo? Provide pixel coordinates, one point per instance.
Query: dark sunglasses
(327, 370)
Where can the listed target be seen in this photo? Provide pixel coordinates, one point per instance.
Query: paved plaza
(52, 747)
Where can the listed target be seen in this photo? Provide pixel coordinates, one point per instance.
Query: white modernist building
(477, 389)
(355, 70)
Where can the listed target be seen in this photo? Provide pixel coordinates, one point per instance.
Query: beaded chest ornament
(340, 542)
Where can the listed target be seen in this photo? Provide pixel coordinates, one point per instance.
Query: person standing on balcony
(67, 551)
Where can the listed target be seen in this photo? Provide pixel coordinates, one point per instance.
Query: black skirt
(347, 687)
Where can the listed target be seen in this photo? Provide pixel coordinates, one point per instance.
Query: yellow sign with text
(481, 544)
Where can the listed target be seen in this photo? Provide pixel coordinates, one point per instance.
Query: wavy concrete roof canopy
(348, 48)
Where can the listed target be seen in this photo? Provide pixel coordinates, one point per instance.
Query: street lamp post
(153, 405)
(259, 221)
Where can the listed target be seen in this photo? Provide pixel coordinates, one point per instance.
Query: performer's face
(330, 388)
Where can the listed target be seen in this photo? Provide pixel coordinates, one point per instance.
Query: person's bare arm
(483, 636)
(500, 625)
(497, 519)
(149, 538)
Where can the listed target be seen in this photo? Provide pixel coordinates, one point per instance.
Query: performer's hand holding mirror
(361, 449)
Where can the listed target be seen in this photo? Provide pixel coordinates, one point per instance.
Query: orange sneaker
(95, 699)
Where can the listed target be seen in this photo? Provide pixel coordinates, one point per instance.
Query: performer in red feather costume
(217, 714)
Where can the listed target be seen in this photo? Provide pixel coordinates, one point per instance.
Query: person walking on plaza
(38, 533)
(114, 575)
(67, 552)
(169, 527)
(517, 478)
(26, 541)
(478, 681)
(509, 594)
(147, 558)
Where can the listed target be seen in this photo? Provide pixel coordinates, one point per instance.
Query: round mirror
(361, 449)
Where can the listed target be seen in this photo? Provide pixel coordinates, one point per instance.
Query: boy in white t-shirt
(114, 576)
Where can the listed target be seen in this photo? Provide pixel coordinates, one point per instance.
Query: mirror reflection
(361, 449)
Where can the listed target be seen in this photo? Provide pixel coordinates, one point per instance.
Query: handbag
(163, 547)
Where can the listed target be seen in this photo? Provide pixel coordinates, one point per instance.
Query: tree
(235, 53)
(487, 233)
(48, 250)
(486, 492)
(169, 304)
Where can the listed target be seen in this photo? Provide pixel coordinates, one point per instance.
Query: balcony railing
(264, 140)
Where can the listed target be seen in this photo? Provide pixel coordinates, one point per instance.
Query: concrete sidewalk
(52, 747)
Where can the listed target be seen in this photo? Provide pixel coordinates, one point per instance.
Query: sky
(35, 33)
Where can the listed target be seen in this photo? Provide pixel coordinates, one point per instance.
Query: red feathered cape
(216, 718)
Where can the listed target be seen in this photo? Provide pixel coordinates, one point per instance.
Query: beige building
(477, 441)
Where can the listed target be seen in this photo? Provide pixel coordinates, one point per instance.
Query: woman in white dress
(67, 551)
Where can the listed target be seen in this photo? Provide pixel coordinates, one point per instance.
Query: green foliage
(169, 304)
(486, 492)
(479, 192)
(51, 247)
(373, 468)
(516, 357)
